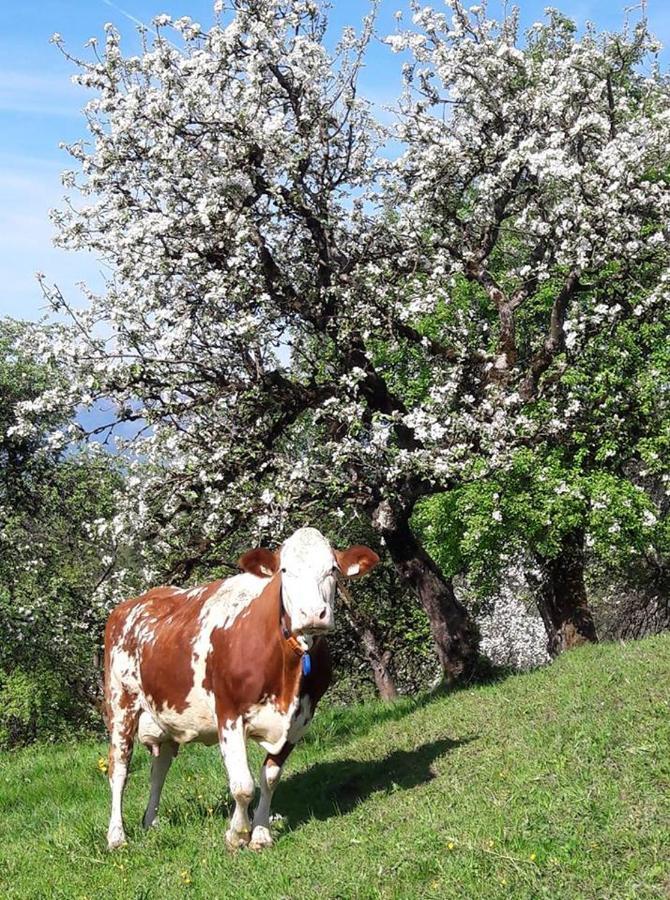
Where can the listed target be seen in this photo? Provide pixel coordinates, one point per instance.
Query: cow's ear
(261, 562)
(356, 561)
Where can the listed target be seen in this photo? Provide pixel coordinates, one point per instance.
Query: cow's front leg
(233, 748)
(270, 775)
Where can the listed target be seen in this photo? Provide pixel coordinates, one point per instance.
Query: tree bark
(561, 597)
(455, 633)
(377, 658)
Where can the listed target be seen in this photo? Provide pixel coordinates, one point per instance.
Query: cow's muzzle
(320, 623)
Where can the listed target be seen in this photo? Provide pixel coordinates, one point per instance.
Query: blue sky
(39, 107)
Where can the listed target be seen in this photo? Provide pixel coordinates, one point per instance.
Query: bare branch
(554, 341)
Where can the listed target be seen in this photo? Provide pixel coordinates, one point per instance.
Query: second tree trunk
(561, 597)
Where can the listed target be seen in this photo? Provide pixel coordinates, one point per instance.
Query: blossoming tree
(281, 317)
(537, 207)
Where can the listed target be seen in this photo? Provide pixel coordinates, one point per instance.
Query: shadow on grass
(334, 788)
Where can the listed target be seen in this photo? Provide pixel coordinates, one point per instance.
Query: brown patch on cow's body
(166, 664)
(160, 640)
(251, 662)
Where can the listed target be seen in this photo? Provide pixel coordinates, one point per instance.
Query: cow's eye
(284, 570)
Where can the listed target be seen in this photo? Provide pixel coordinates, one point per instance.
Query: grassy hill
(552, 784)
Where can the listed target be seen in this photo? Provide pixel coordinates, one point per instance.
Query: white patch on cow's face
(308, 567)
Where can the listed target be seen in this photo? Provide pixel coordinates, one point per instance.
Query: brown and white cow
(243, 657)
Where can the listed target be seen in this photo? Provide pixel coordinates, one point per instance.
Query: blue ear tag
(306, 664)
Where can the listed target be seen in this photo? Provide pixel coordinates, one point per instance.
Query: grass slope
(551, 784)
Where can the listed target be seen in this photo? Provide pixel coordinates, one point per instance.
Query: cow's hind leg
(161, 760)
(233, 748)
(124, 714)
(270, 774)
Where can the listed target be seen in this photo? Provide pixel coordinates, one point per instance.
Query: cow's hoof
(260, 839)
(153, 823)
(115, 838)
(236, 839)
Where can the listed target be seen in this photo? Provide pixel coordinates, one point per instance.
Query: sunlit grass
(553, 784)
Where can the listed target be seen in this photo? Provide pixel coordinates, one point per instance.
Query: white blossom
(269, 264)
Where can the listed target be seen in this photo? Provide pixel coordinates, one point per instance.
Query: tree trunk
(455, 633)
(377, 659)
(379, 663)
(561, 597)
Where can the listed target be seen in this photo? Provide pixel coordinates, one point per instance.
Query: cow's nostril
(322, 614)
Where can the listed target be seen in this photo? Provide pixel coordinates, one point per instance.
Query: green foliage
(52, 558)
(406, 368)
(606, 474)
(37, 705)
(386, 800)
(541, 498)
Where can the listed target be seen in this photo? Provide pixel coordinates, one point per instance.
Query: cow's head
(308, 568)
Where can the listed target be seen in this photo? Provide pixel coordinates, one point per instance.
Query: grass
(552, 784)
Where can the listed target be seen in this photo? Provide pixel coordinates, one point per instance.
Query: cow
(243, 657)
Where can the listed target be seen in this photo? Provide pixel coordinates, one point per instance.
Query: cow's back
(156, 647)
(147, 642)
